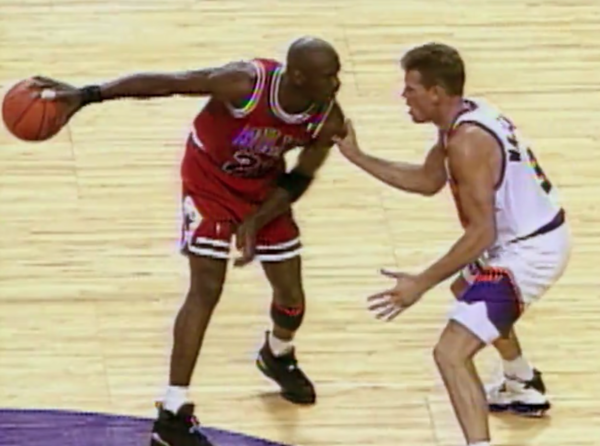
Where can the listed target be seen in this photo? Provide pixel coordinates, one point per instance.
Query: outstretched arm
(232, 83)
(469, 153)
(229, 82)
(424, 179)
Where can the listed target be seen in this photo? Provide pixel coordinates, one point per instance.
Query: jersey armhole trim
(319, 126)
(251, 102)
(500, 144)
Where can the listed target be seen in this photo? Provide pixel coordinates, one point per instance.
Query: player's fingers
(241, 261)
(51, 94)
(348, 133)
(378, 296)
(47, 81)
(381, 313)
(244, 259)
(249, 240)
(378, 306)
(393, 314)
(246, 245)
(387, 273)
(239, 239)
(393, 274)
(387, 311)
(41, 81)
(379, 301)
(50, 89)
(337, 139)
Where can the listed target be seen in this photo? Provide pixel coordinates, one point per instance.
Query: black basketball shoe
(180, 429)
(295, 385)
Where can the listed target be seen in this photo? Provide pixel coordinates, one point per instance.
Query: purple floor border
(40, 427)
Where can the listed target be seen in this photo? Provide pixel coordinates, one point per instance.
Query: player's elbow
(428, 192)
(482, 235)
(432, 182)
(486, 235)
(432, 186)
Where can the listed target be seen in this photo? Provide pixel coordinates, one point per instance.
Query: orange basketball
(28, 117)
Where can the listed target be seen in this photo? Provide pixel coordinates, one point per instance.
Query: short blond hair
(438, 64)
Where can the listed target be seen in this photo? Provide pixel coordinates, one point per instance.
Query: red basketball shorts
(213, 206)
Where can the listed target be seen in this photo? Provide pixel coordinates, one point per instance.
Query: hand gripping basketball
(36, 109)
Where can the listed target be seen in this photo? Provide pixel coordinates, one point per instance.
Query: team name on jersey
(265, 140)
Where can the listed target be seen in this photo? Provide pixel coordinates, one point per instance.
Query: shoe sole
(157, 441)
(525, 410)
(291, 397)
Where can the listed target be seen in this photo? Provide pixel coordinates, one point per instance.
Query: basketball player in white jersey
(515, 243)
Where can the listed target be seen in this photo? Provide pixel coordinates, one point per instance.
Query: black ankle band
(90, 94)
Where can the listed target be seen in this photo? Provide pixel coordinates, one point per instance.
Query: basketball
(29, 117)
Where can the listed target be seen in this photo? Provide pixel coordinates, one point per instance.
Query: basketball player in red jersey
(235, 183)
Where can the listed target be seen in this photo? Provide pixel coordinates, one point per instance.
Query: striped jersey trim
(256, 94)
(276, 106)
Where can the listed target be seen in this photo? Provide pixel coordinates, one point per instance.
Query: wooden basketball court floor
(90, 278)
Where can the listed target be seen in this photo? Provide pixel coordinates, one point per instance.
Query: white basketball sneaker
(526, 398)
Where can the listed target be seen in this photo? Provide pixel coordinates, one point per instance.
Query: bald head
(313, 65)
(308, 50)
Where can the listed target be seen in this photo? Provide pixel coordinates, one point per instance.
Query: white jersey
(525, 198)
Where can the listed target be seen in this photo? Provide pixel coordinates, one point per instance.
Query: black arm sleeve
(295, 182)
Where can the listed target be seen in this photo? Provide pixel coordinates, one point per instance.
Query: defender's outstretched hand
(390, 303)
(347, 145)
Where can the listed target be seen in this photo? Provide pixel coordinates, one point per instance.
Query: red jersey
(244, 148)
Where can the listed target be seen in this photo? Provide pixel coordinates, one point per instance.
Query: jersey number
(515, 155)
(244, 164)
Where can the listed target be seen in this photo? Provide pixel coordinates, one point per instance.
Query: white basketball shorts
(509, 279)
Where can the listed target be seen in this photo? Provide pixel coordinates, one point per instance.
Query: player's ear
(437, 93)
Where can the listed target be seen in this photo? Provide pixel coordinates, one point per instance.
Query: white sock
(279, 347)
(175, 398)
(518, 368)
(481, 443)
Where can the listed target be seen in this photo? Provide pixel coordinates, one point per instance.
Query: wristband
(90, 94)
(295, 182)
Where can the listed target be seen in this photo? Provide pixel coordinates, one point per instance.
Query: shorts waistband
(555, 223)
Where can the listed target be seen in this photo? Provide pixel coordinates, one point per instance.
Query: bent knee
(456, 346)
(291, 295)
(446, 357)
(206, 294)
